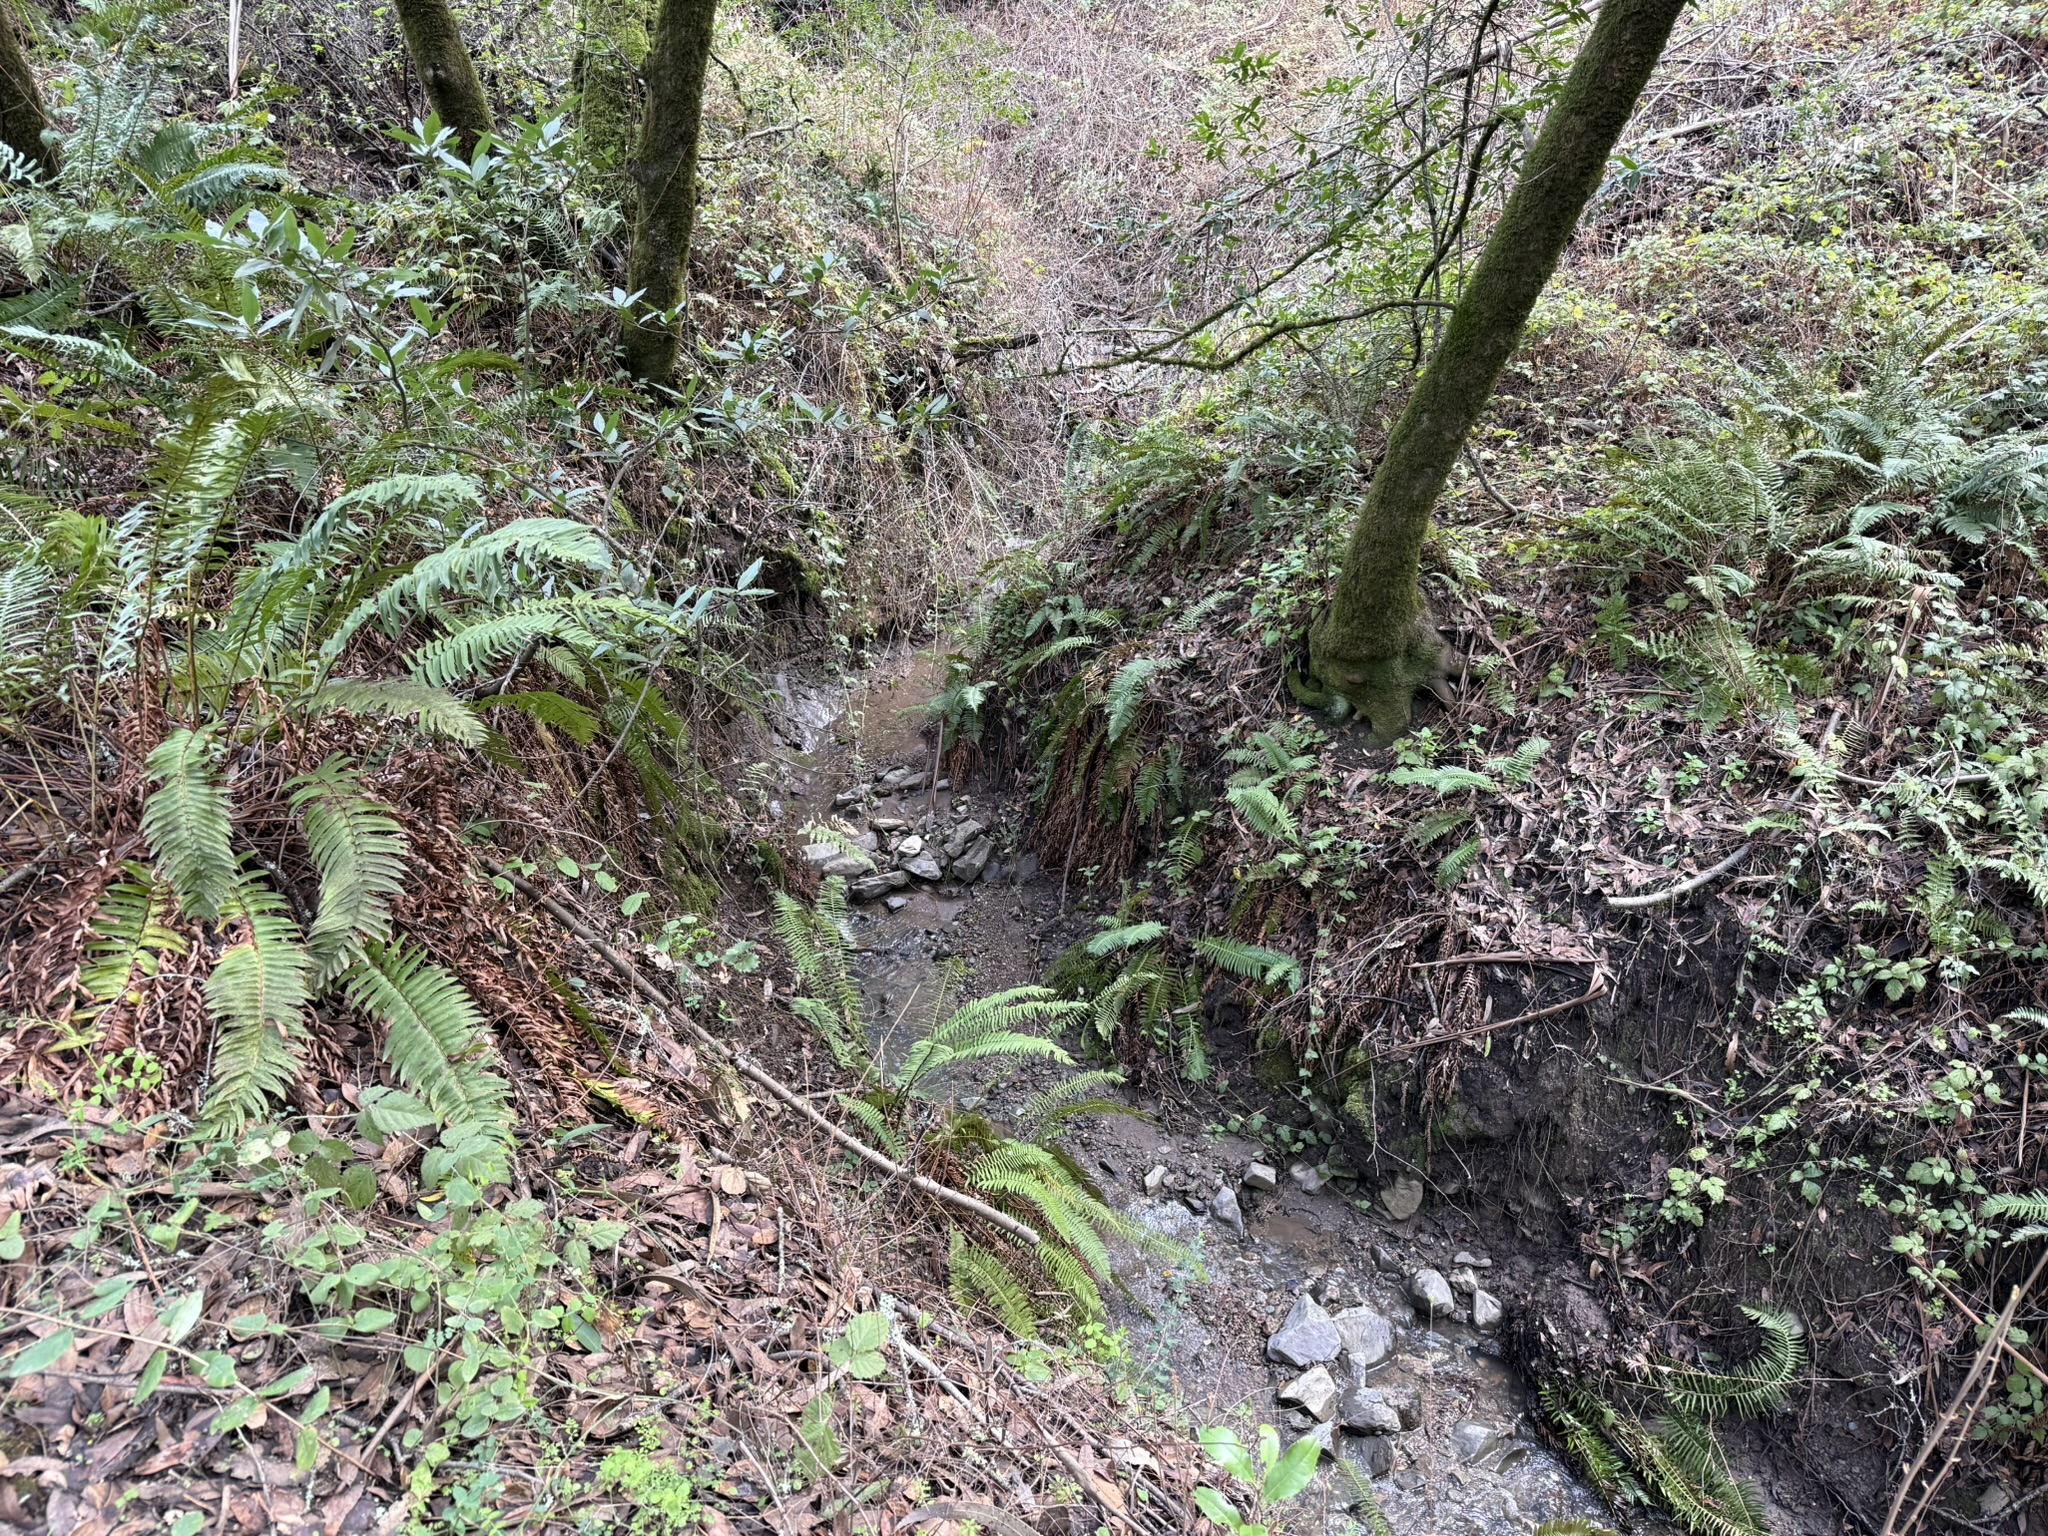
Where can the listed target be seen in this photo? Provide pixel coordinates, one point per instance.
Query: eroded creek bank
(1316, 1302)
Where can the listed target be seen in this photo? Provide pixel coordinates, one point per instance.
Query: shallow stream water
(1471, 1464)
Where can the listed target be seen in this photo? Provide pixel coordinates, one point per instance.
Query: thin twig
(755, 1074)
(1598, 990)
(1683, 888)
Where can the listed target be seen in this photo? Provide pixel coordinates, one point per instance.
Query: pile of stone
(1334, 1354)
(889, 846)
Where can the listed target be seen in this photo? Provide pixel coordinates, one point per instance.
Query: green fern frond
(1757, 1388)
(360, 853)
(1458, 863)
(435, 1039)
(876, 1124)
(185, 821)
(1262, 808)
(256, 993)
(1682, 1464)
(131, 935)
(436, 711)
(478, 645)
(1046, 1111)
(1124, 936)
(1125, 695)
(975, 1275)
(550, 709)
(815, 940)
(2030, 1208)
(1518, 765)
(1252, 962)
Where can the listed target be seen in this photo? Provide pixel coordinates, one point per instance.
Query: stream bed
(1465, 1458)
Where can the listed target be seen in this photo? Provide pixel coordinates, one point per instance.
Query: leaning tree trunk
(665, 174)
(610, 53)
(1376, 645)
(435, 43)
(22, 118)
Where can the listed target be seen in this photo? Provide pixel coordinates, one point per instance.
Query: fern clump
(1671, 1458)
(1022, 1172)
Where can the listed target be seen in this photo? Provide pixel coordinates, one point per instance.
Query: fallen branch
(1599, 990)
(752, 1071)
(1980, 1381)
(1683, 888)
(1500, 957)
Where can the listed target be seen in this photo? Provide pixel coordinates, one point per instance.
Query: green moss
(615, 36)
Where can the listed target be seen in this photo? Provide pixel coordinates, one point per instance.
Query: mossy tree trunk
(434, 40)
(22, 118)
(610, 54)
(665, 177)
(1375, 645)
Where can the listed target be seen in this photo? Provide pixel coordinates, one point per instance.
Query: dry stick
(1499, 957)
(1684, 887)
(1986, 1353)
(1599, 990)
(755, 1074)
(398, 1412)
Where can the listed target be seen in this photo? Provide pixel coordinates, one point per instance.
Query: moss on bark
(22, 118)
(1375, 645)
(611, 50)
(665, 180)
(434, 40)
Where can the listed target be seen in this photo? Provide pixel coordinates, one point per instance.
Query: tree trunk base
(1381, 685)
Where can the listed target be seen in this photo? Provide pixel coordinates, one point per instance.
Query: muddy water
(1471, 1464)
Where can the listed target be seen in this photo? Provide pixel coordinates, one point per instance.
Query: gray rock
(1373, 1457)
(1223, 1206)
(867, 842)
(897, 903)
(897, 780)
(1366, 1411)
(1463, 1281)
(1407, 1404)
(873, 887)
(1314, 1389)
(961, 836)
(1308, 1337)
(968, 867)
(887, 823)
(1308, 1180)
(847, 797)
(1261, 1176)
(818, 855)
(1403, 1197)
(1472, 1260)
(1368, 1338)
(1485, 1312)
(1472, 1440)
(1324, 1435)
(1431, 1293)
(910, 847)
(1155, 1178)
(924, 867)
(1388, 1260)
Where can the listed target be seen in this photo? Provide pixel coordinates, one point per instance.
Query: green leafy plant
(1272, 1476)
(1023, 1172)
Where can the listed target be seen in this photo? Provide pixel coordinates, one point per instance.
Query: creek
(1467, 1459)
